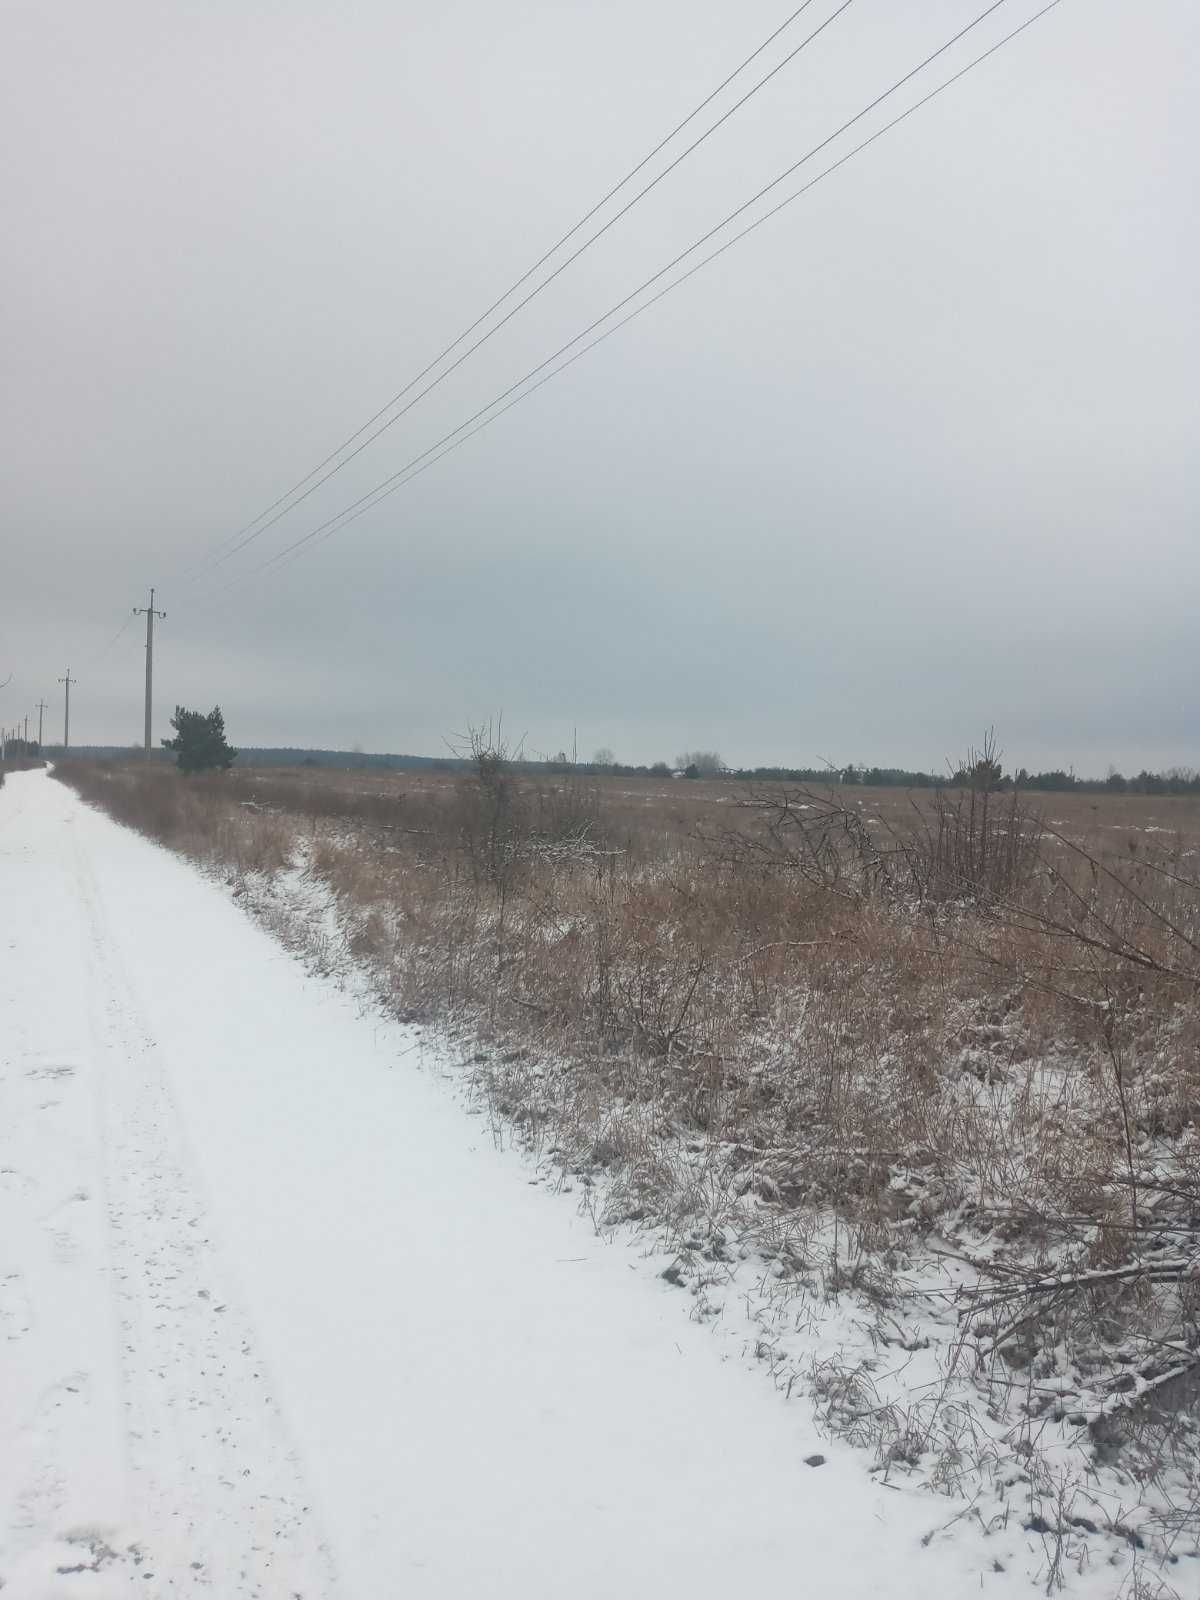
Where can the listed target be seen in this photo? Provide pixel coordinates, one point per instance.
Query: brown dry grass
(747, 1025)
(605, 923)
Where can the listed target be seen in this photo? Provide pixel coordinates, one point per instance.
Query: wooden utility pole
(68, 681)
(150, 613)
(41, 711)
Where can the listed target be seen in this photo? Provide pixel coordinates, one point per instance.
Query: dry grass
(841, 1031)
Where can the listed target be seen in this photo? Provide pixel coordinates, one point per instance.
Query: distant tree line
(347, 760)
(1176, 780)
(21, 750)
(697, 764)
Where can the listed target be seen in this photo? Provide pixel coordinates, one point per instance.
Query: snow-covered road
(277, 1319)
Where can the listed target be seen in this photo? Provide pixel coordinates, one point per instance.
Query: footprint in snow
(13, 1182)
(63, 1241)
(16, 1316)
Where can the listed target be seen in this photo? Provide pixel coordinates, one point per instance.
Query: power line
(450, 441)
(528, 273)
(104, 649)
(278, 509)
(293, 550)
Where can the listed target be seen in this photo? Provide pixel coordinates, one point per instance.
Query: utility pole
(26, 730)
(41, 711)
(150, 613)
(68, 680)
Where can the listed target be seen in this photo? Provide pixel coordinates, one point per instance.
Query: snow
(278, 1318)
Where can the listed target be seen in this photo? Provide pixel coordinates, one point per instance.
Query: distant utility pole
(41, 711)
(68, 680)
(150, 613)
(26, 730)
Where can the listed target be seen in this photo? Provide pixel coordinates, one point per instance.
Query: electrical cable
(420, 462)
(104, 649)
(277, 510)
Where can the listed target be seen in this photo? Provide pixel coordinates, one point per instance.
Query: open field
(640, 808)
(910, 1080)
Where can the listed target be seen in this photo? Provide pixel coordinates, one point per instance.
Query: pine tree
(199, 743)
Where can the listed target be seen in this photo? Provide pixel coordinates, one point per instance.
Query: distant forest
(285, 756)
(1176, 780)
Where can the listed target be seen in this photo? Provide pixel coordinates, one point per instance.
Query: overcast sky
(917, 457)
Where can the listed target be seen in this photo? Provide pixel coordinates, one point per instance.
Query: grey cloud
(917, 457)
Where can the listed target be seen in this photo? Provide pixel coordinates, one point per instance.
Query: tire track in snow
(216, 1485)
(60, 1478)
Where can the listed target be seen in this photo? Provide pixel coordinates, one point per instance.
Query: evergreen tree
(199, 743)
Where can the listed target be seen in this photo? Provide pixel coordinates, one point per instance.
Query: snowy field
(278, 1320)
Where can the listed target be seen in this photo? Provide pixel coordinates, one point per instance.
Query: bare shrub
(968, 842)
